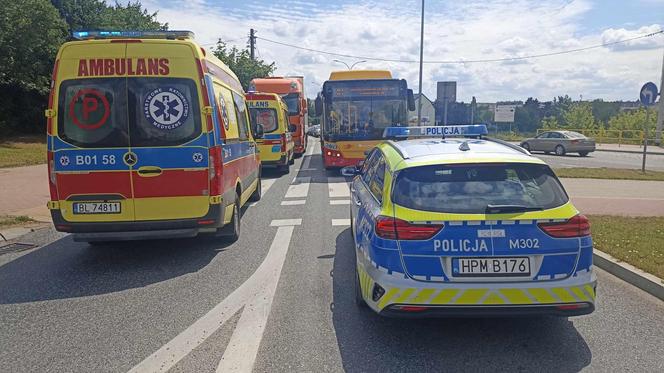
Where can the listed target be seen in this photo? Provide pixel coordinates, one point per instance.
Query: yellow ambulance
(269, 112)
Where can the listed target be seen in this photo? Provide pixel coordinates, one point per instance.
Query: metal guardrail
(604, 136)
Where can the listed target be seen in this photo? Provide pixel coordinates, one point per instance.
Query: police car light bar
(472, 130)
(83, 35)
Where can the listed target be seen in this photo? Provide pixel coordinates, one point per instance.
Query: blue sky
(455, 30)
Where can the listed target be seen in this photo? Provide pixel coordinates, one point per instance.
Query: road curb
(627, 272)
(628, 151)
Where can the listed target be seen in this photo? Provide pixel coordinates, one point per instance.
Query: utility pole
(660, 114)
(419, 100)
(252, 43)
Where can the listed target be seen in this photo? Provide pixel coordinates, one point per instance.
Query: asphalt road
(280, 299)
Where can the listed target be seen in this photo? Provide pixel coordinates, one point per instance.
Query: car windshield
(473, 188)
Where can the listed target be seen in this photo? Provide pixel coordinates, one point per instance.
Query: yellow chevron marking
(404, 295)
(590, 291)
(493, 298)
(542, 296)
(563, 294)
(471, 296)
(579, 293)
(387, 297)
(423, 296)
(515, 296)
(445, 296)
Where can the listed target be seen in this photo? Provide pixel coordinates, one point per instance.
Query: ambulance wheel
(256, 195)
(231, 232)
(292, 159)
(359, 301)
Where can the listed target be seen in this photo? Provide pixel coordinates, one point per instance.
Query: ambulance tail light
(283, 142)
(215, 170)
(396, 229)
(52, 180)
(577, 226)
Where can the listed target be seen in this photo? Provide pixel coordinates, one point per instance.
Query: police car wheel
(256, 195)
(560, 150)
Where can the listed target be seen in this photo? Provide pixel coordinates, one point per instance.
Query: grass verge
(8, 221)
(22, 151)
(638, 241)
(609, 173)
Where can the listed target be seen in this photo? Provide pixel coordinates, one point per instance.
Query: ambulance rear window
(163, 111)
(93, 113)
(471, 188)
(265, 117)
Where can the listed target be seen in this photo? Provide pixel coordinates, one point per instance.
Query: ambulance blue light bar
(472, 130)
(83, 35)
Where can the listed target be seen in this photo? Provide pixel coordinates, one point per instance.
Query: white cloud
(613, 35)
(469, 30)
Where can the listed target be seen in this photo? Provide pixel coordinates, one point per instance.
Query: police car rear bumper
(394, 294)
(138, 230)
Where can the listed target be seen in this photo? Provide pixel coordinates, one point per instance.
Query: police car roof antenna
(464, 146)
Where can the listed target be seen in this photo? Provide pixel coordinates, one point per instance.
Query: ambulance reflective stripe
(484, 296)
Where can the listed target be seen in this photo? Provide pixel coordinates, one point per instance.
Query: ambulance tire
(231, 232)
(292, 159)
(359, 301)
(257, 194)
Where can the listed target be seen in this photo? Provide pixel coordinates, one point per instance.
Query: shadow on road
(66, 269)
(368, 342)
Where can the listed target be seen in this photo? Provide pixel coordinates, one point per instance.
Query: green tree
(239, 60)
(632, 122)
(550, 123)
(30, 33)
(527, 117)
(603, 111)
(97, 15)
(579, 116)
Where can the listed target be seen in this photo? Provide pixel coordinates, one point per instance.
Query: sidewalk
(24, 191)
(616, 197)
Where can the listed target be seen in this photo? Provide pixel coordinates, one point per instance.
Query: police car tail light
(396, 229)
(577, 226)
(52, 180)
(215, 170)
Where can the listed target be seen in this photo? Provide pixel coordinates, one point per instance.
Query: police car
(448, 222)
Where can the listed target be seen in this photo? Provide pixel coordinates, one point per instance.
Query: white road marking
(299, 188)
(242, 349)
(340, 222)
(307, 169)
(294, 202)
(340, 202)
(285, 222)
(338, 187)
(176, 349)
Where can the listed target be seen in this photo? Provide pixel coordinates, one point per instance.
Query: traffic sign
(649, 94)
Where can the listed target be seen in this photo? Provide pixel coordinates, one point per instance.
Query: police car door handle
(357, 202)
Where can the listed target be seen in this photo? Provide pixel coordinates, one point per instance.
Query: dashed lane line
(248, 293)
(340, 222)
(294, 202)
(299, 188)
(338, 187)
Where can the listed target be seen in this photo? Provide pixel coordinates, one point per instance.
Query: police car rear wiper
(496, 209)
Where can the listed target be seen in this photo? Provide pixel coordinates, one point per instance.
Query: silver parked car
(560, 142)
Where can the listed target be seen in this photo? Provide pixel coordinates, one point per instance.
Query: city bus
(355, 107)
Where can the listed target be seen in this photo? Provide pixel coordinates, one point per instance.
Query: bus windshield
(363, 109)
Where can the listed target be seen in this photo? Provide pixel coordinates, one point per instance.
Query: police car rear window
(265, 117)
(120, 112)
(472, 188)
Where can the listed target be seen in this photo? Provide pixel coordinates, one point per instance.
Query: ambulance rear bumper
(138, 230)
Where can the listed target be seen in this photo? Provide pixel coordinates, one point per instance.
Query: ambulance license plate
(487, 267)
(97, 208)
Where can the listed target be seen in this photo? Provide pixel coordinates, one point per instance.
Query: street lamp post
(419, 101)
(351, 66)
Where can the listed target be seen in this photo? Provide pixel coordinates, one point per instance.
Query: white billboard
(504, 113)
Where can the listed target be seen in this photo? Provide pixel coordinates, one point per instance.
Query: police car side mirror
(259, 131)
(411, 100)
(318, 105)
(350, 171)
